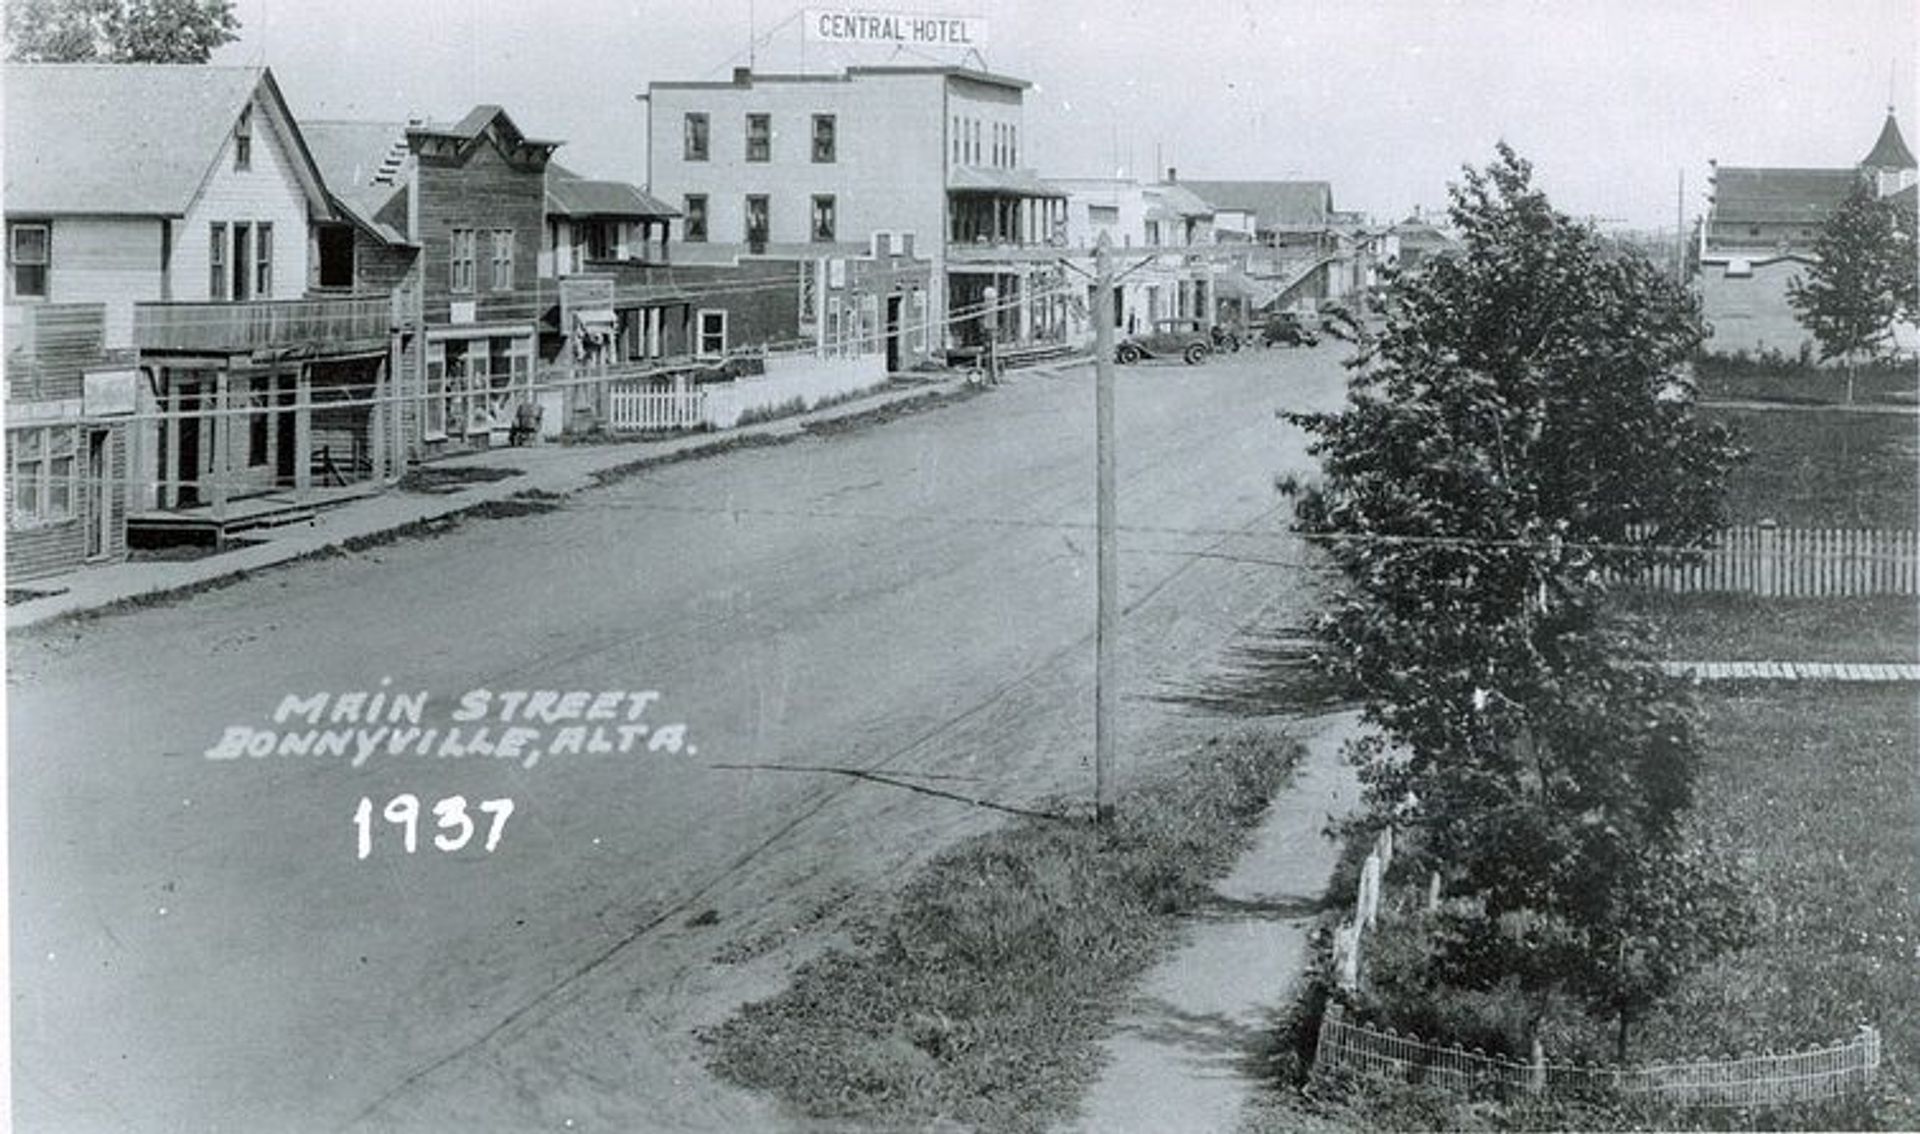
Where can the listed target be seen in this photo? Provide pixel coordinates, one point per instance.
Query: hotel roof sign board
(865, 27)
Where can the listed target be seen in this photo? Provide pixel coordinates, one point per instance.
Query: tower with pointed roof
(1890, 163)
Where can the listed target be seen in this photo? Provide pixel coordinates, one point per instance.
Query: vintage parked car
(1286, 327)
(1188, 339)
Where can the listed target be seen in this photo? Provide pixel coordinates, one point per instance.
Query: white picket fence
(792, 382)
(1797, 563)
(639, 410)
(1767, 1079)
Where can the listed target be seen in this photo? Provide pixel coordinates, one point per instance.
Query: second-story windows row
(697, 137)
(758, 212)
(240, 260)
(463, 260)
(973, 142)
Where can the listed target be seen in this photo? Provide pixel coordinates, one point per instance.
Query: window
(823, 131)
(258, 421)
(335, 261)
(823, 218)
(42, 474)
(696, 134)
(759, 137)
(694, 227)
(435, 426)
(217, 262)
(959, 155)
(242, 261)
(243, 140)
(757, 218)
(599, 239)
(263, 260)
(28, 248)
(1013, 147)
(502, 278)
(1103, 214)
(712, 326)
(1153, 234)
(460, 272)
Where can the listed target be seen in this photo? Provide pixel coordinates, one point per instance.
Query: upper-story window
(758, 218)
(823, 218)
(959, 139)
(243, 140)
(696, 135)
(1013, 147)
(694, 226)
(823, 138)
(759, 137)
(1153, 233)
(29, 255)
(502, 278)
(460, 261)
(263, 260)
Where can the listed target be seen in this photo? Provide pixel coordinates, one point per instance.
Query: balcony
(318, 326)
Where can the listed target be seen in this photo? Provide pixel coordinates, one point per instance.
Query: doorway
(99, 518)
(893, 334)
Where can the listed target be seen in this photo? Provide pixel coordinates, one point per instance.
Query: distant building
(1760, 232)
(1153, 230)
(800, 167)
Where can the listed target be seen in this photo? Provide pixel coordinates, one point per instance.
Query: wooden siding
(270, 192)
(50, 345)
(116, 262)
(42, 550)
(482, 192)
(321, 323)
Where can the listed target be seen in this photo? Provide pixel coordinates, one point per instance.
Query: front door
(286, 458)
(186, 464)
(99, 521)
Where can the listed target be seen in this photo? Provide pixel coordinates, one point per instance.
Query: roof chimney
(742, 76)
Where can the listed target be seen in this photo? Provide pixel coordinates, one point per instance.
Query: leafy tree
(118, 31)
(1520, 429)
(1863, 281)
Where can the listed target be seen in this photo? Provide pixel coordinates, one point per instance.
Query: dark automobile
(1188, 339)
(1287, 328)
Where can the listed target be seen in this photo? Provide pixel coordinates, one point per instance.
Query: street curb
(232, 567)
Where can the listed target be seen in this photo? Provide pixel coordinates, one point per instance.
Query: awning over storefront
(1003, 182)
(596, 323)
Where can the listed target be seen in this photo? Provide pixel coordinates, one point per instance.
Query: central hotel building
(932, 158)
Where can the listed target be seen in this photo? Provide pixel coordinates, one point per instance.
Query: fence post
(1768, 583)
(1433, 891)
(1537, 1067)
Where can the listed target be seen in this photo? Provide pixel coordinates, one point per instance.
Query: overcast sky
(1386, 99)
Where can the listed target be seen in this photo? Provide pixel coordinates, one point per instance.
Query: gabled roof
(1274, 204)
(1743, 195)
(475, 123)
(131, 139)
(570, 195)
(1890, 151)
(1181, 200)
(358, 160)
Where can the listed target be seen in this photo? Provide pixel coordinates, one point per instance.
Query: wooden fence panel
(1795, 563)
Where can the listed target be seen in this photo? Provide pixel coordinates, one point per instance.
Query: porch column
(389, 410)
(377, 431)
(222, 437)
(302, 434)
(168, 491)
(1025, 327)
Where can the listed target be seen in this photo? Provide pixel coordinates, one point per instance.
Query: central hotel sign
(894, 29)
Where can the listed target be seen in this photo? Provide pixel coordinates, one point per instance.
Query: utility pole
(1107, 568)
(1680, 230)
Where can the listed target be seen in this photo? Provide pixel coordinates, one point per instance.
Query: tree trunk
(1620, 1038)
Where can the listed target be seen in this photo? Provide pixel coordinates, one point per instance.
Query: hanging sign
(894, 29)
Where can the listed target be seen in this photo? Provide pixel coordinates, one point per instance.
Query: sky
(1613, 101)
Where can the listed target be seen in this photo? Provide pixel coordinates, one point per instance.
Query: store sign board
(107, 393)
(894, 29)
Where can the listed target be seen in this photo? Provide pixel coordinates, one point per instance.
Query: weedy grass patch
(981, 996)
(1732, 627)
(1816, 786)
(1823, 469)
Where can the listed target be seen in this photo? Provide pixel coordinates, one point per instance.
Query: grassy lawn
(982, 996)
(1817, 789)
(1825, 469)
(1715, 627)
(1724, 380)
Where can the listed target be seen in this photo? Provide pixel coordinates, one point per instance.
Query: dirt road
(197, 943)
